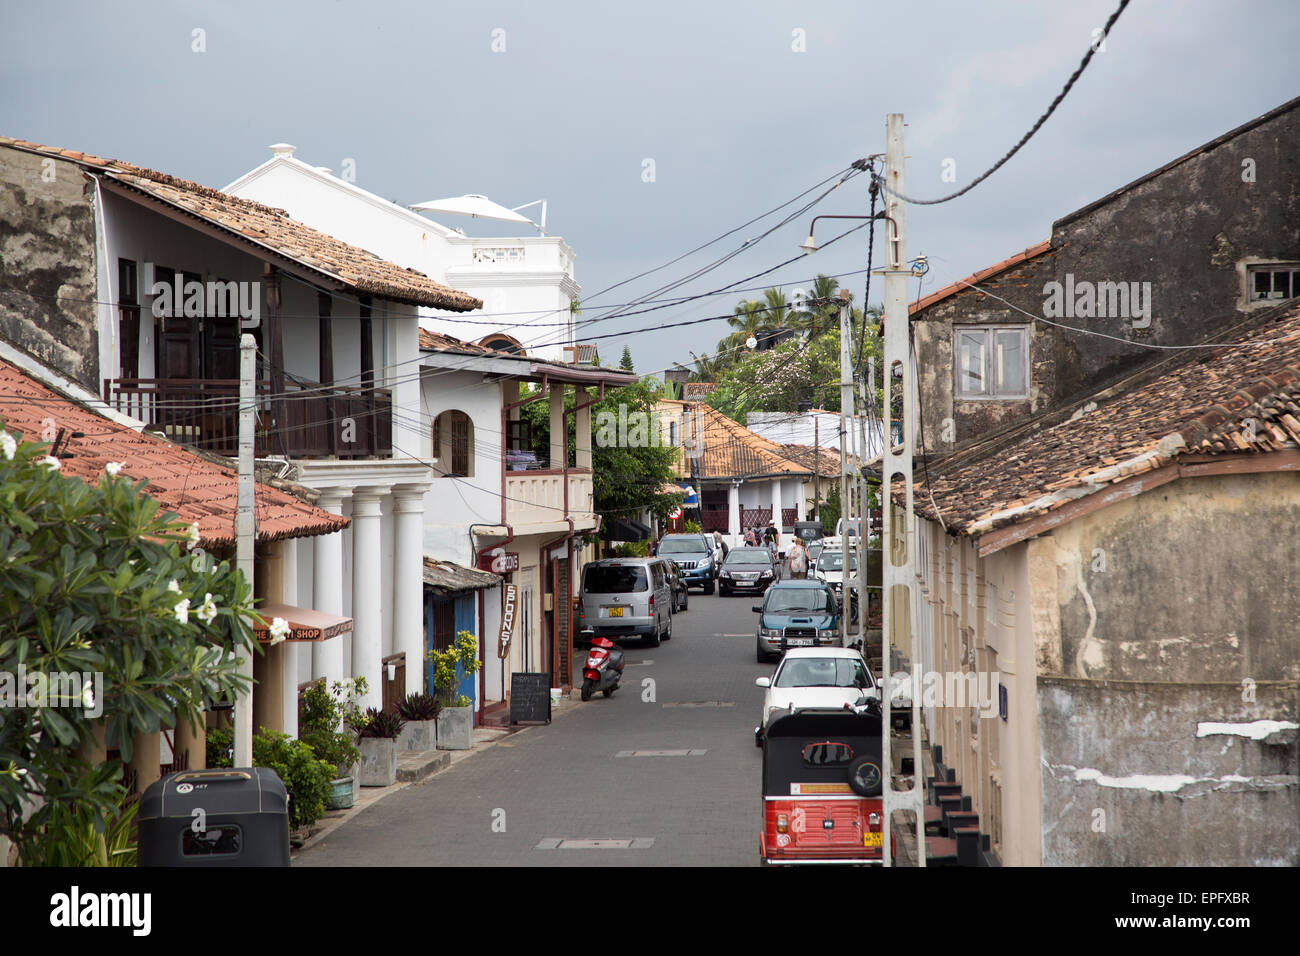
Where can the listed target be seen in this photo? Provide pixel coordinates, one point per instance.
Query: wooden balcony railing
(313, 422)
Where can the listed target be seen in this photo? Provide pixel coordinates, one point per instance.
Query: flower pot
(378, 761)
(456, 728)
(418, 735)
(341, 796)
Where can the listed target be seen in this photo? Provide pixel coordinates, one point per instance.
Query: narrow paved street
(566, 781)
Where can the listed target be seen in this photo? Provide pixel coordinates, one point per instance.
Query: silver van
(626, 598)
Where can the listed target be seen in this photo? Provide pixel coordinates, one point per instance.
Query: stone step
(415, 765)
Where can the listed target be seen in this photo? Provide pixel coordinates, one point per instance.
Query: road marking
(749, 634)
(557, 843)
(638, 663)
(703, 703)
(661, 753)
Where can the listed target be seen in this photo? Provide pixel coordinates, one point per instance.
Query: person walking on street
(797, 559)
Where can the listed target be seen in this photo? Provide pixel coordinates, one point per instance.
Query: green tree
(94, 579)
(625, 363)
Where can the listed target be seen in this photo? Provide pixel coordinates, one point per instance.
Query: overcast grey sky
(716, 94)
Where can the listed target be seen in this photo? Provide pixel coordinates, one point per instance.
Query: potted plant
(321, 720)
(450, 667)
(420, 732)
(378, 743)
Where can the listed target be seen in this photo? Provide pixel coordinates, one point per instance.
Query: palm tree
(706, 367)
(819, 314)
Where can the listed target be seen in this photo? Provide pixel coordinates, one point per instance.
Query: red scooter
(604, 668)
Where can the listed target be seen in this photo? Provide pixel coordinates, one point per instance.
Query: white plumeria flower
(113, 467)
(193, 536)
(8, 445)
(50, 462)
(173, 586)
(88, 697)
(182, 611)
(208, 610)
(279, 630)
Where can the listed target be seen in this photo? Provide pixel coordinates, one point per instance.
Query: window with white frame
(992, 361)
(1273, 281)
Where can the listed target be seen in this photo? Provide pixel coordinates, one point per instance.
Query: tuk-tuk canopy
(791, 753)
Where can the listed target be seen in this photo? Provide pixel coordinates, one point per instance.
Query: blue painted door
(465, 622)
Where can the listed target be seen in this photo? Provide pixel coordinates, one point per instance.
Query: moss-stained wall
(47, 264)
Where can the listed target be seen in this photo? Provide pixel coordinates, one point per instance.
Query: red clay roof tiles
(195, 488)
(363, 271)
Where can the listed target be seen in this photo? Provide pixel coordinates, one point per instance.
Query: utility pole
(846, 433)
(899, 542)
(245, 535)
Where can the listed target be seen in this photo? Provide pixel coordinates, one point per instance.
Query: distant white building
(526, 283)
(816, 428)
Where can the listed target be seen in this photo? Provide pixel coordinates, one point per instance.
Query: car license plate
(799, 641)
(873, 839)
(616, 612)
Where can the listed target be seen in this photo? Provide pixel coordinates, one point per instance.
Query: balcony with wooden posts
(305, 420)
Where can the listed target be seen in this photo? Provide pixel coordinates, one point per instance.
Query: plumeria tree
(97, 582)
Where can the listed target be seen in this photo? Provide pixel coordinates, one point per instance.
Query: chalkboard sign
(530, 697)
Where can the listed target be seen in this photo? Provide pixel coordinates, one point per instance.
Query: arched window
(453, 445)
(502, 343)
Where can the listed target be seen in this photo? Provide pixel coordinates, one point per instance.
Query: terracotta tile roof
(1032, 252)
(1196, 401)
(195, 487)
(274, 230)
(733, 451)
(438, 342)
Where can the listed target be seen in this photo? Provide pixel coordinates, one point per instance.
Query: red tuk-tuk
(822, 785)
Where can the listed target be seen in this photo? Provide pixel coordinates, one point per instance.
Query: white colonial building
(526, 283)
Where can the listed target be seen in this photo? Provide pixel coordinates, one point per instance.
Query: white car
(815, 677)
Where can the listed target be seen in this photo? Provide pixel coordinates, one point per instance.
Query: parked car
(625, 598)
(748, 569)
(798, 613)
(694, 554)
(828, 677)
(830, 569)
(681, 593)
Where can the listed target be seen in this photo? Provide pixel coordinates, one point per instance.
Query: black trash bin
(236, 817)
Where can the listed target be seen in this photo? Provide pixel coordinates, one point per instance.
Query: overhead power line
(1060, 97)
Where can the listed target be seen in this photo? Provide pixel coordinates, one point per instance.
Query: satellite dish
(751, 342)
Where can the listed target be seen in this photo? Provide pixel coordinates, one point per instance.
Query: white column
(367, 604)
(327, 591)
(582, 431)
(289, 650)
(734, 530)
(559, 434)
(800, 502)
(776, 504)
(408, 581)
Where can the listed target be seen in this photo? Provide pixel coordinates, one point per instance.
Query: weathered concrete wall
(1127, 782)
(47, 264)
(966, 418)
(1197, 580)
(1176, 607)
(1190, 231)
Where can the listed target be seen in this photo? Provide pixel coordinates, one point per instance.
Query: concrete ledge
(415, 765)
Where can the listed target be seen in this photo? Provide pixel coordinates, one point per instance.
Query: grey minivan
(625, 598)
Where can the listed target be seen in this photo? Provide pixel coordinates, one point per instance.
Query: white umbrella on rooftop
(480, 207)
